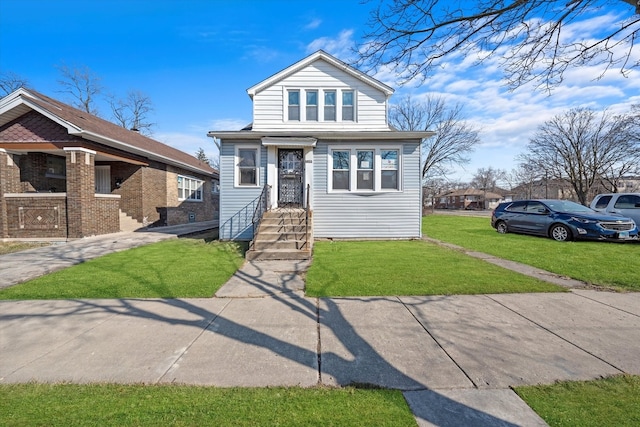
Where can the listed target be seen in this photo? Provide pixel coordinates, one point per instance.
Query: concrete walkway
(454, 357)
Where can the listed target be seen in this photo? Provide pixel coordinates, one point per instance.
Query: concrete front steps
(282, 235)
(127, 223)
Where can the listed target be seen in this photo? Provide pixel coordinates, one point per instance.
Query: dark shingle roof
(104, 132)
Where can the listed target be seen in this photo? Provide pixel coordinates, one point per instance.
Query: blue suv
(561, 220)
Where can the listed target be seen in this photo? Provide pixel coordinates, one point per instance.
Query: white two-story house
(320, 142)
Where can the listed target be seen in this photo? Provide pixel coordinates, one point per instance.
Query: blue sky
(196, 58)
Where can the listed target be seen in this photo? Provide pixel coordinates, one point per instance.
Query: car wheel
(502, 228)
(560, 233)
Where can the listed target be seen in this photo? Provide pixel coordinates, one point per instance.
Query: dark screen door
(290, 173)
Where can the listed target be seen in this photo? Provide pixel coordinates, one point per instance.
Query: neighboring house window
(189, 188)
(347, 105)
(312, 105)
(330, 105)
(390, 166)
(247, 166)
(294, 104)
(365, 170)
(340, 174)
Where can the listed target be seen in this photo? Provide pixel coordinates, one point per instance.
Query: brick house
(468, 198)
(66, 174)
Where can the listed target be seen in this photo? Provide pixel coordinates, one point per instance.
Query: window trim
(353, 169)
(236, 167)
(320, 104)
(199, 188)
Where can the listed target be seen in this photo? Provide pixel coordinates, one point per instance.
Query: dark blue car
(561, 220)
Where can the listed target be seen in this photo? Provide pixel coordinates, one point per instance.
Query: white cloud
(313, 24)
(341, 47)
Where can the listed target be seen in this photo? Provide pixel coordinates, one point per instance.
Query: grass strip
(613, 401)
(178, 405)
(177, 268)
(608, 264)
(383, 268)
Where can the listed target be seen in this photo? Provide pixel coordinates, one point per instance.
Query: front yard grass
(179, 268)
(613, 401)
(379, 268)
(176, 405)
(615, 265)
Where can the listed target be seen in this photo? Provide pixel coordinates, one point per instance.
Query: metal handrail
(306, 217)
(261, 207)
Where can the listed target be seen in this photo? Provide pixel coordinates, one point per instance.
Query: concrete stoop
(282, 236)
(127, 223)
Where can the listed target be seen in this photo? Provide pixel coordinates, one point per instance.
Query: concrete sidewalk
(21, 266)
(454, 357)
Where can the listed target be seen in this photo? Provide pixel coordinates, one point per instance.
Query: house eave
(324, 135)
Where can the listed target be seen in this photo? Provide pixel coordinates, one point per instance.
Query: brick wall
(36, 216)
(130, 178)
(154, 188)
(105, 214)
(80, 192)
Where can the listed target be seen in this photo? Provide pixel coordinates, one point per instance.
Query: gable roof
(93, 128)
(324, 56)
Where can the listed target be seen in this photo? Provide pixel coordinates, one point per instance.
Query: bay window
(364, 169)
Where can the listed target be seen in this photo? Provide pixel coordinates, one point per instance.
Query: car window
(535, 207)
(603, 202)
(517, 207)
(567, 206)
(628, 201)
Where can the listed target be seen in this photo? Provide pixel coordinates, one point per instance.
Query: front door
(290, 173)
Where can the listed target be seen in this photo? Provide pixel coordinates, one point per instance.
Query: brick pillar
(9, 183)
(80, 192)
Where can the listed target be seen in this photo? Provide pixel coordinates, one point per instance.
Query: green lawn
(611, 401)
(178, 268)
(174, 405)
(374, 268)
(607, 264)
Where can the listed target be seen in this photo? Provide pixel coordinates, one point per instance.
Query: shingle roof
(95, 129)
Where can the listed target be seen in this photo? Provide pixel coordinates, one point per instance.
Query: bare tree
(454, 138)
(132, 112)
(10, 81)
(581, 147)
(524, 178)
(83, 85)
(529, 37)
(487, 181)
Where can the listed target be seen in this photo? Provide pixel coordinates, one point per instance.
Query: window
(247, 167)
(389, 166)
(312, 105)
(628, 201)
(517, 207)
(603, 202)
(365, 170)
(330, 105)
(189, 188)
(347, 105)
(294, 104)
(341, 169)
(56, 167)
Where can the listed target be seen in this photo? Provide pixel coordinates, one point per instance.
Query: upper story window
(317, 105)
(347, 105)
(312, 105)
(375, 170)
(246, 166)
(294, 104)
(330, 105)
(189, 188)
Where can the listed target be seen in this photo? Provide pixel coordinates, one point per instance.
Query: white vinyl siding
(353, 214)
(237, 204)
(271, 106)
